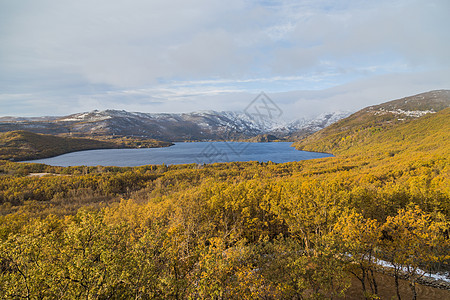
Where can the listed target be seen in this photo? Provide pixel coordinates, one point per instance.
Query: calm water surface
(184, 153)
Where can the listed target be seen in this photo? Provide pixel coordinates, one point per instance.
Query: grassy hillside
(24, 145)
(373, 124)
(427, 133)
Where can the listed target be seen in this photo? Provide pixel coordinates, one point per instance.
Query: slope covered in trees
(301, 230)
(24, 145)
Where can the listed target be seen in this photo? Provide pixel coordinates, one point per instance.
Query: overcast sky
(59, 57)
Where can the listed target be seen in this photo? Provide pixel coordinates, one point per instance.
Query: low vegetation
(24, 145)
(246, 230)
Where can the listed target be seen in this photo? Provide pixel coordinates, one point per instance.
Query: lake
(184, 153)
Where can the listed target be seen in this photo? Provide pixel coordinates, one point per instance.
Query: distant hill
(263, 138)
(373, 124)
(24, 145)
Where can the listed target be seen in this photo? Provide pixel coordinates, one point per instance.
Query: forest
(243, 230)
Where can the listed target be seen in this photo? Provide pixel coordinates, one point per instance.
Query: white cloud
(172, 55)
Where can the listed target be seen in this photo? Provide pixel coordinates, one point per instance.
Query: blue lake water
(184, 153)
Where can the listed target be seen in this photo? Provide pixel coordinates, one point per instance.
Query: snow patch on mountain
(407, 113)
(92, 116)
(319, 122)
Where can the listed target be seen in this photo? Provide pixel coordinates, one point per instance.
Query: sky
(59, 57)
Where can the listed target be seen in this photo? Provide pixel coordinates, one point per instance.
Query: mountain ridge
(202, 125)
(229, 125)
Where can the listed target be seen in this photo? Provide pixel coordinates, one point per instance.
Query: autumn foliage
(230, 231)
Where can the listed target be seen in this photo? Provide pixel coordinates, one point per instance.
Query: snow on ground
(408, 113)
(437, 276)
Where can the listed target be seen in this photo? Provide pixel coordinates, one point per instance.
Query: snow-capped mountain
(201, 125)
(304, 127)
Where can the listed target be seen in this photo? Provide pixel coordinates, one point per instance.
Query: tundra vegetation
(243, 230)
(24, 145)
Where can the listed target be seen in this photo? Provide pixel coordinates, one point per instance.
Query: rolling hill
(23, 145)
(398, 123)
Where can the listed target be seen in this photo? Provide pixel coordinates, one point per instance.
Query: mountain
(203, 125)
(362, 126)
(305, 127)
(213, 125)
